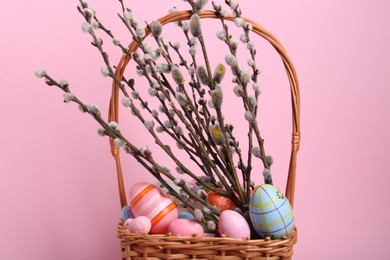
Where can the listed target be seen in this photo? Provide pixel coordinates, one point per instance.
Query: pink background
(57, 184)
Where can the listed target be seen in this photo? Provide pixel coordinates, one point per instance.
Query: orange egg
(220, 201)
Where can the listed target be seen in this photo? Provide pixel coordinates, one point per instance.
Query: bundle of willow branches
(190, 101)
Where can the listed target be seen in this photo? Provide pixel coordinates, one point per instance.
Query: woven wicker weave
(135, 246)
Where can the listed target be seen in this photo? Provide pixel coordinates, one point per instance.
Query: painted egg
(222, 202)
(186, 215)
(232, 224)
(139, 225)
(146, 200)
(127, 223)
(127, 213)
(270, 212)
(185, 228)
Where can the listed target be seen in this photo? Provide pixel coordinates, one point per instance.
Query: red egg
(222, 202)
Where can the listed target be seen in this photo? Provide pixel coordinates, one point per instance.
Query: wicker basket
(135, 246)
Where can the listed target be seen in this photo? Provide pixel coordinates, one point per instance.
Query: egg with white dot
(185, 227)
(270, 212)
(232, 224)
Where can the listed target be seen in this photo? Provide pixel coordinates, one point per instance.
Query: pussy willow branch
(111, 73)
(153, 168)
(255, 73)
(106, 60)
(198, 131)
(138, 114)
(235, 183)
(253, 123)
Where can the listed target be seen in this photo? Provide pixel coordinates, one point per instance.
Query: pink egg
(146, 200)
(185, 228)
(127, 223)
(232, 224)
(139, 225)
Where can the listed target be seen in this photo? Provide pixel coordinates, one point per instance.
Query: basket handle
(291, 73)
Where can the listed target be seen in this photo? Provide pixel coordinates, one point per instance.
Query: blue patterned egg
(270, 212)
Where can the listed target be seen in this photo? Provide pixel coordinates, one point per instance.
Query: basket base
(136, 246)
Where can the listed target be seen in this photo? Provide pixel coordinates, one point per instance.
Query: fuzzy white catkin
(119, 142)
(248, 116)
(185, 26)
(256, 152)
(172, 10)
(195, 25)
(193, 50)
(140, 31)
(252, 101)
(230, 60)
(114, 125)
(145, 151)
(135, 94)
(245, 77)
(181, 98)
(216, 6)
(86, 27)
(267, 174)
(101, 131)
(198, 214)
(178, 130)
(152, 92)
(105, 71)
(250, 45)
(115, 41)
(233, 43)
(243, 38)
(193, 41)
(238, 90)
(160, 129)
(211, 225)
(257, 89)
(94, 109)
(176, 45)
(200, 4)
(127, 15)
(68, 96)
(269, 159)
(191, 70)
(168, 124)
(157, 29)
(239, 22)
(126, 102)
(149, 124)
(202, 74)
(221, 34)
(154, 113)
(162, 68)
(40, 73)
(177, 75)
(64, 83)
(233, 4)
(251, 62)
